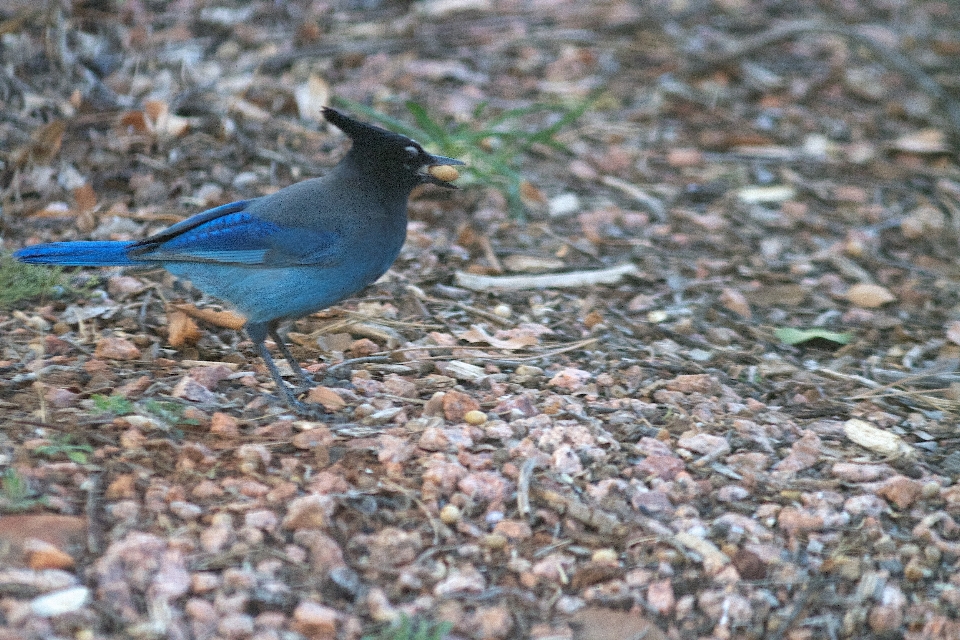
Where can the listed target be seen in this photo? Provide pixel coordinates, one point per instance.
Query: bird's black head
(393, 157)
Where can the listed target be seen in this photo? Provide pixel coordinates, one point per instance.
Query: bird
(294, 252)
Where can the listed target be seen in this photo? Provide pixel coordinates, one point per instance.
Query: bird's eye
(412, 151)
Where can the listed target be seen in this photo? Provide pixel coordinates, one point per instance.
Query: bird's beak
(440, 171)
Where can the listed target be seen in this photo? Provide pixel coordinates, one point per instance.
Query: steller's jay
(291, 253)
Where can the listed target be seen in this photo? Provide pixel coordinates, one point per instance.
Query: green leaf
(791, 336)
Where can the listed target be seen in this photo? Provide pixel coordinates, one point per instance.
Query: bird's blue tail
(78, 254)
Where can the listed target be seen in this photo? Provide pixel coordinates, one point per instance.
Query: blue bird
(291, 253)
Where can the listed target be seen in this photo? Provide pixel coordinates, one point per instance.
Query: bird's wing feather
(231, 235)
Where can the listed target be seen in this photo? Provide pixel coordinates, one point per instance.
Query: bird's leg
(258, 334)
(305, 378)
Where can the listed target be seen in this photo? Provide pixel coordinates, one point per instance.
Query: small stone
(888, 615)
(262, 519)
(114, 348)
(686, 157)
(309, 512)
(225, 425)
(491, 622)
(327, 398)
(185, 510)
(494, 541)
(570, 379)
(236, 625)
(665, 467)
(190, 389)
(605, 556)
(433, 439)
(450, 514)
(901, 491)
(315, 621)
(463, 580)
(362, 348)
(317, 436)
(563, 205)
(60, 602)
(380, 608)
(60, 398)
(122, 286)
(204, 581)
(852, 472)
(210, 376)
(804, 453)
(457, 404)
(660, 596)
(514, 529)
(704, 443)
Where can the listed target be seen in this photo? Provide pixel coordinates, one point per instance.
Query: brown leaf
(181, 328)
(45, 143)
(85, 197)
(226, 319)
(530, 193)
(735, 301)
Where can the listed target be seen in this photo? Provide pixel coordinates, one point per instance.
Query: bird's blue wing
(230, 235)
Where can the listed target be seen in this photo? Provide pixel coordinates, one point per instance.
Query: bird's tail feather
(78, 254)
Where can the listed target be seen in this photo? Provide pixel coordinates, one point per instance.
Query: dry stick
(892, 58)
(523, 486)
(546, 281)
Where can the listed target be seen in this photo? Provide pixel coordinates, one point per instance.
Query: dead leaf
(85, 197)
(162, 122)
(476, 334)
(884, 443)
(44, 145)
(226, 319)
(735, 301)
(181, 329)
(530, 193)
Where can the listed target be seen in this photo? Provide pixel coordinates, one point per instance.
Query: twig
(612, 275)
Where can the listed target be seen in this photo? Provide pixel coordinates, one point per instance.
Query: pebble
(475, 417)
(570, 379)
(60, 602)
(114, 348)
(315, 621)
(450, 514)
